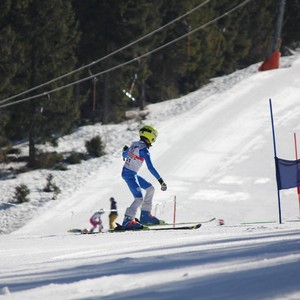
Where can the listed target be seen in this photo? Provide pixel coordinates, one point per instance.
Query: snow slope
(215, 152)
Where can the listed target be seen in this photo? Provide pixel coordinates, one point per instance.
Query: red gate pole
(174, 215)
(296, 152)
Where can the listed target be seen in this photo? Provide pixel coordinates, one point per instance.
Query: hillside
(215, 152)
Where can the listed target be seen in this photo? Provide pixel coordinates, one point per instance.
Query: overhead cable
(107, 56)
(130, 61)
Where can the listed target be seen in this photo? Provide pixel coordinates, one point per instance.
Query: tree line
(42, 40)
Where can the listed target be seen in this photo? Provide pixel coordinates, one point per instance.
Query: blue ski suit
(134, 157)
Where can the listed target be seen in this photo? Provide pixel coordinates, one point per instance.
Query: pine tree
(257, 24)
(10, 57)
(107, 26)
(181, 66)
(49, 35)
(291, 24)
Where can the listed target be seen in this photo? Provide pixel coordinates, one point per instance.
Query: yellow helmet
(149, 132)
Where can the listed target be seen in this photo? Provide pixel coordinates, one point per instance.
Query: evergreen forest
(66, 63)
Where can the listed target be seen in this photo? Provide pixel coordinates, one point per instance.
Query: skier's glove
(163, 185)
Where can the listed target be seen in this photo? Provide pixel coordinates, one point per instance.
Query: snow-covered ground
(215, 152)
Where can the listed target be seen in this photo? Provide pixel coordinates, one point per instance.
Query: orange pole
(174, 215)
(296, 152)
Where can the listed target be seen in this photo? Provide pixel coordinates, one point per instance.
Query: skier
(134, 157)
(95, 220)
(113, 213)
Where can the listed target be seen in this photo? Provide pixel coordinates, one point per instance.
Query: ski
(75, 230)
(180, 227)
(82, 231)
(119, 228)
(163, 223)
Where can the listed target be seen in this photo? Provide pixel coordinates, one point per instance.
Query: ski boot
(147, 219)
(130, 223)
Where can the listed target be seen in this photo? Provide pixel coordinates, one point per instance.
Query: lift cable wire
(107, 56)
(130, 61)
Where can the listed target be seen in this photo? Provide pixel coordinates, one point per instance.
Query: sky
(215, 152)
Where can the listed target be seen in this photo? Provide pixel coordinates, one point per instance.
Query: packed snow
(215, 152)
